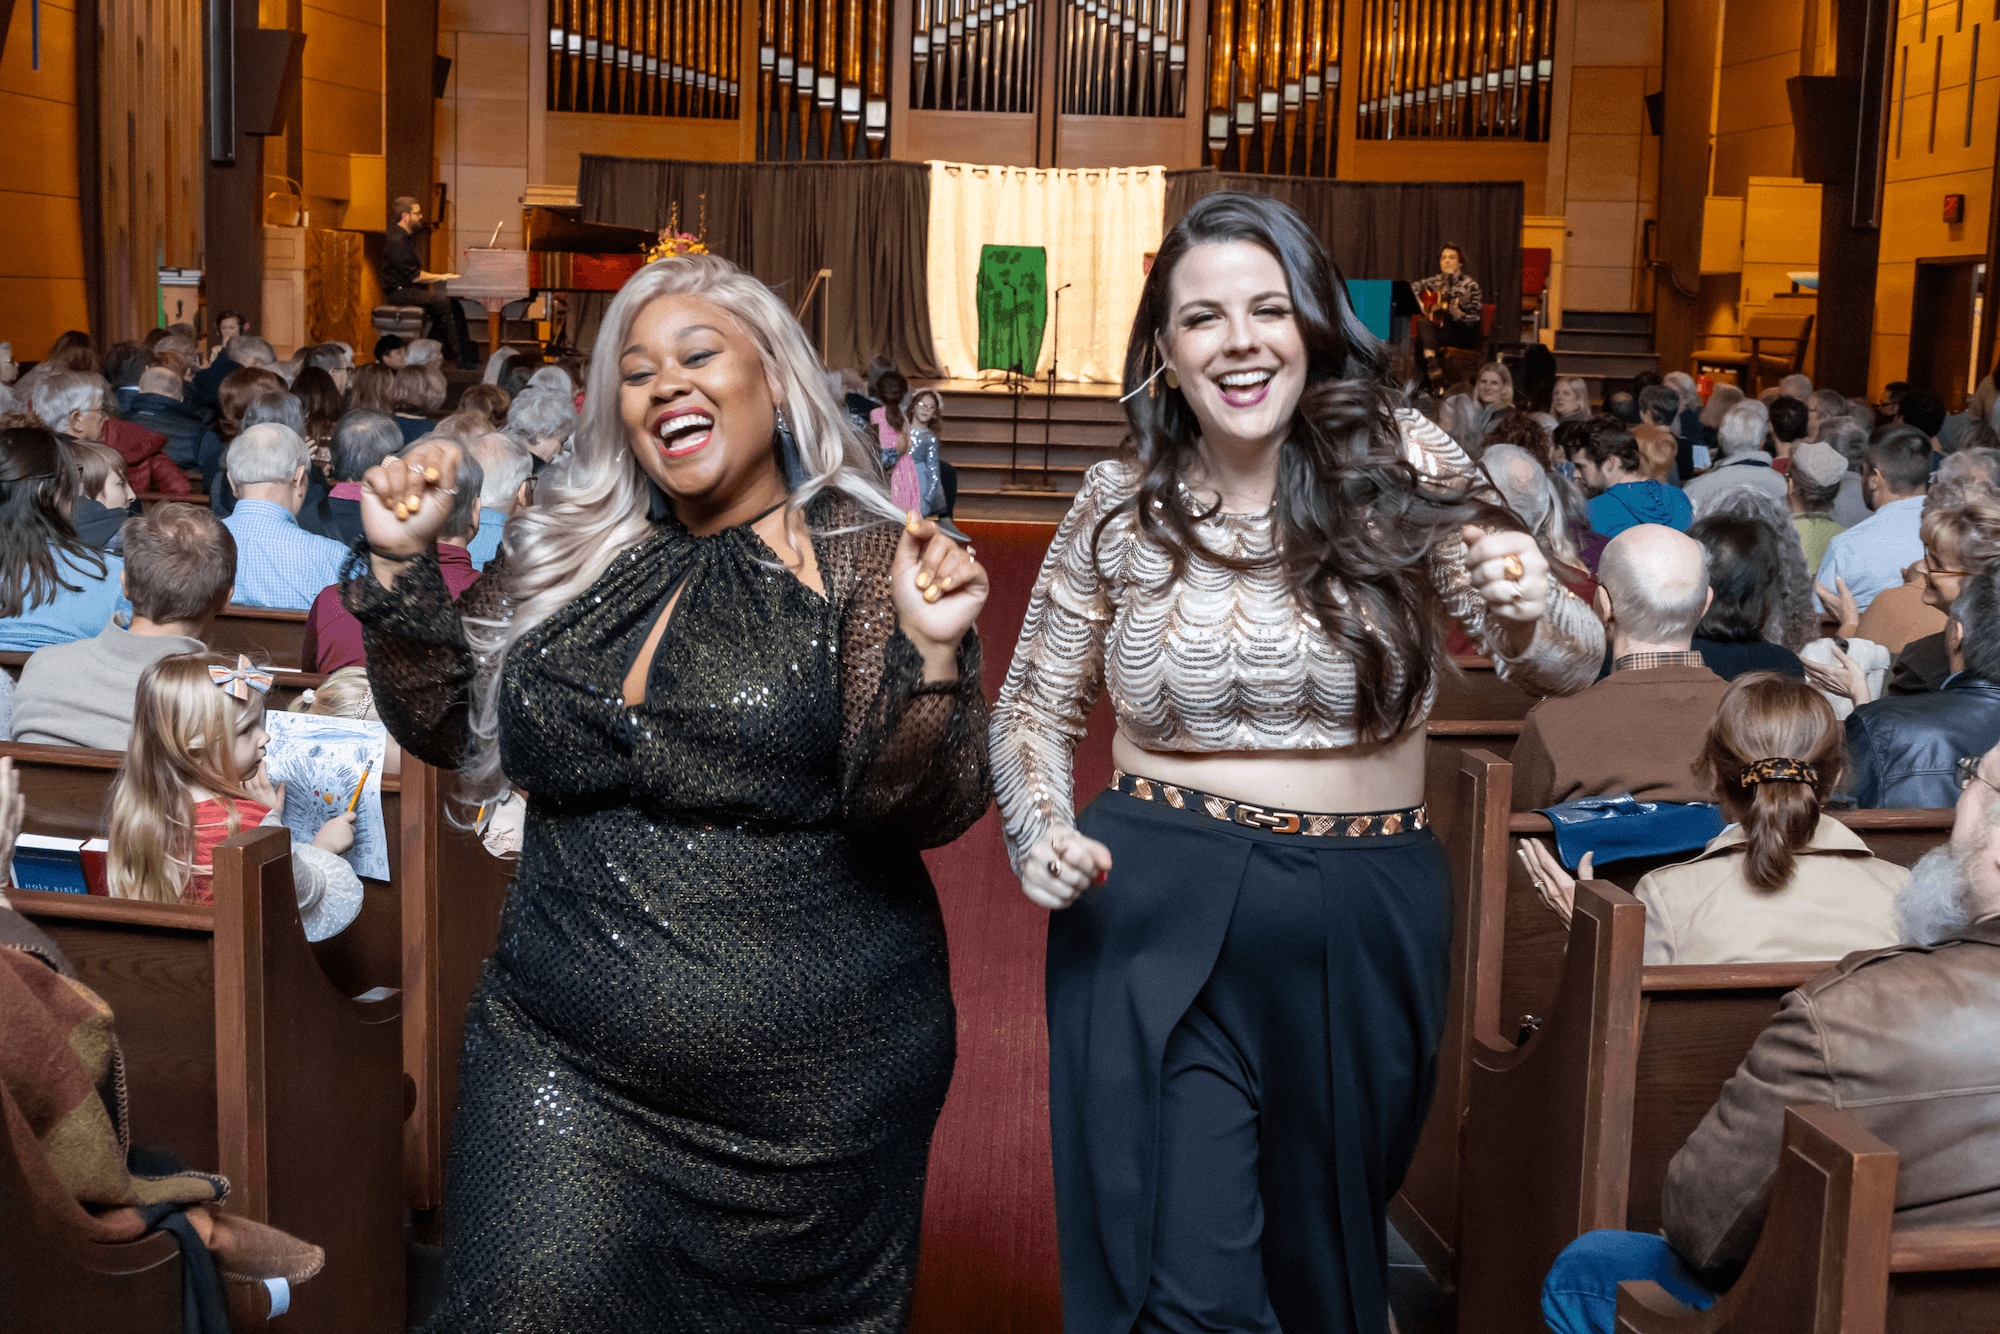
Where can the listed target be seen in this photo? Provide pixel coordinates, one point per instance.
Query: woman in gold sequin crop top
(1246, 985)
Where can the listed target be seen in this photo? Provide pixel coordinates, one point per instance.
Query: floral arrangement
(673, 241)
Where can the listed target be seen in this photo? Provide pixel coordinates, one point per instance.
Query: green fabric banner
(1012, 298)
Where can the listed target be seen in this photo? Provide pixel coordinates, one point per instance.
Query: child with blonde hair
(194, 775)
(347, 694)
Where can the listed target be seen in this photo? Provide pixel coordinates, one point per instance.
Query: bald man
(1639, 729)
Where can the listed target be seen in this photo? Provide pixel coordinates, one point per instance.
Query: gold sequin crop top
(1218, 660)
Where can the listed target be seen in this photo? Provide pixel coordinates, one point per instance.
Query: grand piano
(563, 254)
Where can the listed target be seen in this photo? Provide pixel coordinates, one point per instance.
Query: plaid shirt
(278, 563)
(1633, 662)
(1460, 295)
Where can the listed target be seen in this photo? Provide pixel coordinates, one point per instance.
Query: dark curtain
(1393, 229)
(784, 221)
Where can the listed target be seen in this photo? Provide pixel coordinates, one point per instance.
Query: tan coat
(1840, 899)
(1902, 1039)
(1898, 615)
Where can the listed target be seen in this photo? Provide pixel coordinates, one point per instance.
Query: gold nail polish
(930, 595)
(923, 578)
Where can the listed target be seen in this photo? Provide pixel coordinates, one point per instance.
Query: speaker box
(440, 71)
(267, 78)
(1656, 113)
(1826, 112)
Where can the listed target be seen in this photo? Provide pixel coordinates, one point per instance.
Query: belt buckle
(1256, 817)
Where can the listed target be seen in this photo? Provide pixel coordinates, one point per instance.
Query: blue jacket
(1629, 504)
(78, 612)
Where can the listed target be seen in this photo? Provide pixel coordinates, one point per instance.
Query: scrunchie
(1780, 769)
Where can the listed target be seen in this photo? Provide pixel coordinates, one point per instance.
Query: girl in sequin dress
(1246, 982)
(703, 1065)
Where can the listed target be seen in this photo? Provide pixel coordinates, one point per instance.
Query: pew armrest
(1938, 1249)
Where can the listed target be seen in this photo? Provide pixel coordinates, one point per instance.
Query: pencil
(355, 800)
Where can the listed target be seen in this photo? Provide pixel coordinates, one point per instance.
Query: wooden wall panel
(41, 272)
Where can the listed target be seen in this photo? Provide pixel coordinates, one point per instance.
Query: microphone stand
(1049, 404)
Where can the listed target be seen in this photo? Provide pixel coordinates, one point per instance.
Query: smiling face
(1491, 390)
(698, 407)
(1943, 581)
(1233, 340)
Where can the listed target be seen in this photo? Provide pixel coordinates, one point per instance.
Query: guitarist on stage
(1452, 311)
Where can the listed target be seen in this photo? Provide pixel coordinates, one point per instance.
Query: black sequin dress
(703, 1066)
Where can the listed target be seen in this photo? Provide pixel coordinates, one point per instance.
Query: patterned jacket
(1461, 297)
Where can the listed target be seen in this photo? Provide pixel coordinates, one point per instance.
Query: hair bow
(1781, 769)
(242, 679)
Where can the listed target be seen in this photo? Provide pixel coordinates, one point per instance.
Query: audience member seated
(1784, 881)
(244, 350)
(1659, 451)
(1812, 484)
(180, 565)
(1746, 576)
(194, 775)
(361, 440)
(1904, 747)
(423, 352)
(1922, 411)
(1900, 1038)
(73, 404)
(1961, 539)
(391, 352)
(557, 380)
(1850, 440)
(320, 404)
(333, 637)
(506, 464)
(488, 402)
(158, 407)
(545, 420)
(1870, 557)
(1494, 389)
(1621, 495)
(53, 586)
(234, 401)
(1721, 399)
(419, 392)
(1639, 729)
(1571, 401)
(1510, 426)
(1789, 419)
(278, 564)
(122, 367)
(104, 497)
(1624, 405)
(1823, 406)
(1796, 386)
(334, 359)
(373, 389)
(1743, 461)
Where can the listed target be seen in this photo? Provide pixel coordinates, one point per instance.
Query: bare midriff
(1348, 780)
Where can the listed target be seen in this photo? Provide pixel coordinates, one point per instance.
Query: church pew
(1444, 739)
(1425, 1208)
(1473, 689)
(242, 1056)
(427, 931)
(1829, 1259)
(152, 500)
(1574, 1128)
(286, 686)
(268, 635)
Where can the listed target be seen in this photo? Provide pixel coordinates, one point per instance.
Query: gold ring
(1513, 568)
(1055, 869)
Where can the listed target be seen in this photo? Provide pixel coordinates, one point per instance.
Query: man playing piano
(406, 283)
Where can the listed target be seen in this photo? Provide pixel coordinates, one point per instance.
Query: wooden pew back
(1472, 689)
(286, 686)
(245, 1059)
(271, 635)
(1829, 1260)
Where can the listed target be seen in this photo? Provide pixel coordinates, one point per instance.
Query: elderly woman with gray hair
(544, 419)
(1537, 498)
(1744, 461)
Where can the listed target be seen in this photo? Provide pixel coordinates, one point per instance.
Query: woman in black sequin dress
(704, 1063)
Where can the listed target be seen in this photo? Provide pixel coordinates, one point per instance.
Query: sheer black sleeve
(420, 664)
(913, 755)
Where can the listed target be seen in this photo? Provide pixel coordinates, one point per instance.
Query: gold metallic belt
(1314, 823)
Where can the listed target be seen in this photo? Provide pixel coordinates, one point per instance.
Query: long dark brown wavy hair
(37, 484)
(1351, 514)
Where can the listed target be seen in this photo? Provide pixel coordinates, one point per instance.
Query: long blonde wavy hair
(183, 737)
(594, 502)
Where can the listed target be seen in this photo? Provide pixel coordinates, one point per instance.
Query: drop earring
(786, 446)
(1173, 381)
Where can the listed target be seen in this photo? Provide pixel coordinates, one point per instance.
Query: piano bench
(403, 321)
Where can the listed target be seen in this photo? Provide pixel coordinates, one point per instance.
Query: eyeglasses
(1959, 574)
(1967, 772)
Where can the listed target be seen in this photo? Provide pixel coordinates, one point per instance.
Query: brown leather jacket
(1907, 1040)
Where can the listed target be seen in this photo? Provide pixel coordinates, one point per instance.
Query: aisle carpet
(989, 1257)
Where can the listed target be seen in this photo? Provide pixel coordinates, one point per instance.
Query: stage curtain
(784, 221)
(1393, 229)
(1097, 225)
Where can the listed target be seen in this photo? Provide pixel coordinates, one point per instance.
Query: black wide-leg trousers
(1243, 1037)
